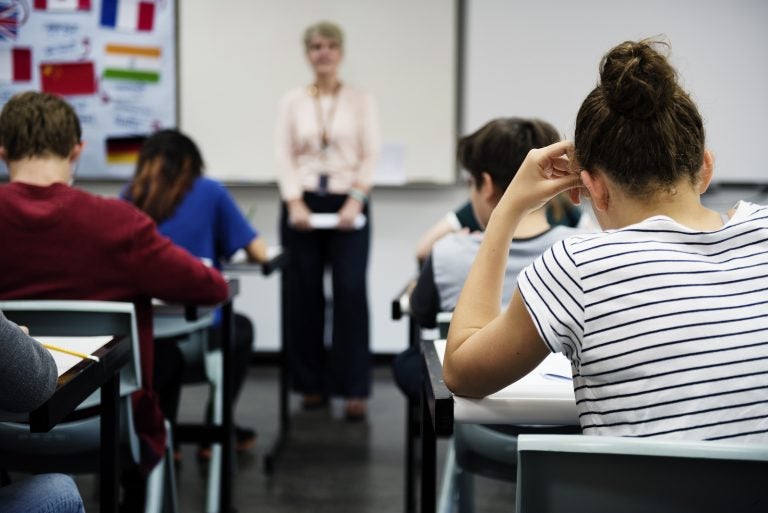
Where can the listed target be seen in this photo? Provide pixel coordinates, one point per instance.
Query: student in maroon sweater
(64, 243)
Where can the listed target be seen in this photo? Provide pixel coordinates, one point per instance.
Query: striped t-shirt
(666, 327)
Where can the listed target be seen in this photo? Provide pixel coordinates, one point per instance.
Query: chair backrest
(576, 473)
(66, 318)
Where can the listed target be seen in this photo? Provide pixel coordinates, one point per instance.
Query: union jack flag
(13, 14)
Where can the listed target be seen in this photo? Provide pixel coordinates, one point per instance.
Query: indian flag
(63, 5)
(128, 15)
(15, 65)
(132, 63)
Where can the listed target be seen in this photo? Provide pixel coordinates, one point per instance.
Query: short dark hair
(168, 164)
(34, 124)
(500, 146)
(638, 125)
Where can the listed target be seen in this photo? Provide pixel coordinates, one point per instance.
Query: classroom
(434, 71)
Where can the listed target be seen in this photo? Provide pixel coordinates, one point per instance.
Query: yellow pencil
(73, 353)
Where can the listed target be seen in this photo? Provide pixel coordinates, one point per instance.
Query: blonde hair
(325, 29)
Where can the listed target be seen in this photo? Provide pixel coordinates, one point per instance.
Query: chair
(482, 450)
(202, 364)
(73, 447)
(573, 474)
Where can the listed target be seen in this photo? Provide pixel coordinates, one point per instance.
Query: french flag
(15, 65)
(128, 15)
(63, 5)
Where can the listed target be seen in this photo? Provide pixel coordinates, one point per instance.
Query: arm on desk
(27, 370)
(168, 272)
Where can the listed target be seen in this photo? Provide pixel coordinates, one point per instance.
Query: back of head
(38, 125)
(500, 146)
(638, 125)
(168, 164)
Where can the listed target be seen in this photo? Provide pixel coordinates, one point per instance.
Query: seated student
(491, 155)
(560, 210)
(198, 214)
(69, 244)
(662, 315)
(27, 379)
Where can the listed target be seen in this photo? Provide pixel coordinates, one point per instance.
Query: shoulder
(356, 94)
(458, 243)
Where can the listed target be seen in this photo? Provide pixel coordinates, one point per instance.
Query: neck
(682, 204)
(327, 83)
(40, 171)
(532, 224)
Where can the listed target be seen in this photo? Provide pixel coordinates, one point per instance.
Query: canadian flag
(63, 5)
(15, 65)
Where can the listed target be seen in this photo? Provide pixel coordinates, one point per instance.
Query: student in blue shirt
(198, 214)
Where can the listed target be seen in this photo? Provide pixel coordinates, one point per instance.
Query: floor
(327, 465)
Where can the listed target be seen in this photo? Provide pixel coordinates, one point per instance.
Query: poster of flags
(114, 61)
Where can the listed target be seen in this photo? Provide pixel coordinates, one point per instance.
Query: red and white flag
(63, 5)
(15, 65)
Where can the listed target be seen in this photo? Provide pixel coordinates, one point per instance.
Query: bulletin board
(114, 61)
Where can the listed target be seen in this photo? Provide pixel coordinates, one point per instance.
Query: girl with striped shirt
(664, 314)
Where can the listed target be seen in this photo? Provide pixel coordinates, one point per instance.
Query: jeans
(45, 493)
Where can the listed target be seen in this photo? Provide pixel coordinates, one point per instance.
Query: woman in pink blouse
(327, 147)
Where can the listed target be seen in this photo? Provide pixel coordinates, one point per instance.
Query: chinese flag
(68, 78)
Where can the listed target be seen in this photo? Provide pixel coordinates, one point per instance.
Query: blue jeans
(46, 493)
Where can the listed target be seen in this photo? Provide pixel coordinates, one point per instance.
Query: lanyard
(325, 125)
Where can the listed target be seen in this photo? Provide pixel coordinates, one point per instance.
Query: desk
(540, 398)
(223, 434)
(277, 261)
(72, 388)
(401, 307)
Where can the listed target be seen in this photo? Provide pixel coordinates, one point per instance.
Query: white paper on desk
(85, 345)
(331, 221)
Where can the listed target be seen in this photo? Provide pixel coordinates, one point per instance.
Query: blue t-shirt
(208, 224)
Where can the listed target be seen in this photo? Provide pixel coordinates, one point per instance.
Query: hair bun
(637, 81)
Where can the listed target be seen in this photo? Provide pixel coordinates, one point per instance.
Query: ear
(599, 194)
(76, 151)
(488, 189)
(707, 171)
(3, 154)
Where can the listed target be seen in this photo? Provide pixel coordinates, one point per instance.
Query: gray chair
(589, 474)
(202, 364)
(73, 447)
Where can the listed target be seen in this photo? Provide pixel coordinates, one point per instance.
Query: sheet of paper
(331, 221)
(85, 345)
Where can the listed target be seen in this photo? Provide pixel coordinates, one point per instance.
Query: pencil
(73, 353)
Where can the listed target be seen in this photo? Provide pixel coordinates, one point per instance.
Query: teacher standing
(327, 147)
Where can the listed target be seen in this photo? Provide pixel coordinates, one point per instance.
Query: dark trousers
(345, 369)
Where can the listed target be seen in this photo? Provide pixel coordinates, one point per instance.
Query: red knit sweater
(63, 243)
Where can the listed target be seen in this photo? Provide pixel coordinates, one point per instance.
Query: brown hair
(168, 164)
(638, 125)
(325, 29)
(500, 146)
(36, 124)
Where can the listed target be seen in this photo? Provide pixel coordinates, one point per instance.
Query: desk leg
(428, 459)
(109, 461)
(284, 418)
(227, 459)
(411, 416)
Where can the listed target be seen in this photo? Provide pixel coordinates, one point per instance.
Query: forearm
(257, 250)
(480, 299)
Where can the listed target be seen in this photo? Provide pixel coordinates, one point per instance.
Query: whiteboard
(237, 58)
(541, 59)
